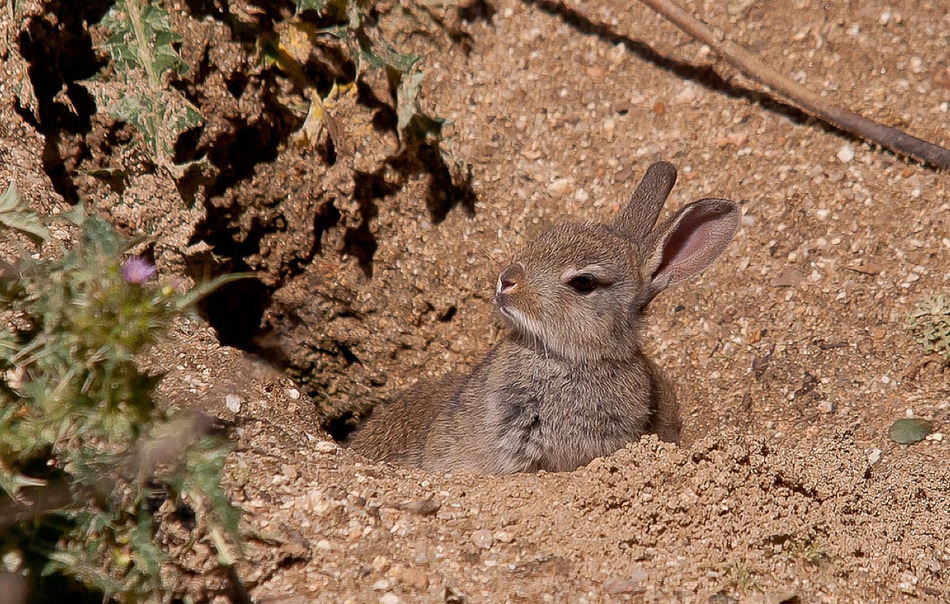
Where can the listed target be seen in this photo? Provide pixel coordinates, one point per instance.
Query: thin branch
(737, 56)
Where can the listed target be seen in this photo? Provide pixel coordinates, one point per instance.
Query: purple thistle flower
(137, 270)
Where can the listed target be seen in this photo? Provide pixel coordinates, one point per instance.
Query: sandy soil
(791, 354)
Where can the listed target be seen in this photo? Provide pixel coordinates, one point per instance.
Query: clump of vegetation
(146, 63)
(743, 578)
(142, 48)
(86, 455)
(930, 322)
(354, 23)
(810, 551)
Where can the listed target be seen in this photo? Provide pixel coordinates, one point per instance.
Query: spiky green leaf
(14, 214)
(141, 44)
(316, 5)
(412, 122)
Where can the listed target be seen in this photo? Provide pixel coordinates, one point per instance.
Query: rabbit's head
(579, 290)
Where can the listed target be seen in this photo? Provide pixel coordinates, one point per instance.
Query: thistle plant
(86, 454)
(146, 63)
(370, 51)
(141, 44)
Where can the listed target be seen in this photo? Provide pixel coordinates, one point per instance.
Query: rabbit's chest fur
(533, 412)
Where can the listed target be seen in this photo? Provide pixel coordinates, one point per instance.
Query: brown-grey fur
(570, 381)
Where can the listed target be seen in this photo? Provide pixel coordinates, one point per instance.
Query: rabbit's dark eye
(583, 284)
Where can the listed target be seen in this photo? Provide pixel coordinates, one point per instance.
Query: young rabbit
(570, 382)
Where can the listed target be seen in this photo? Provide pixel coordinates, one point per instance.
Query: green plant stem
(142, 44)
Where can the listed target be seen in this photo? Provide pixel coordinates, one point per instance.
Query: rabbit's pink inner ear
(694, 240)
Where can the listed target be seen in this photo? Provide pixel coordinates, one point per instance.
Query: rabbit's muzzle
(511, 282)
(511, 279)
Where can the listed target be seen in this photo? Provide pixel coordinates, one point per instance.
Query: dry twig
(737, 56)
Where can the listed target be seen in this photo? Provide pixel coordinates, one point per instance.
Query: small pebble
(638, 574)
(12, 561)
(293, 394)
(390, 598)
(413, 577)
(596, 72)
(531, 154)
(233, 403)
(423, 507)
(845, 154)
(482, 539)
(561, 186)
(789, 277)
(836, 175)
(326, 446)
(381, 563)
(614, 586)
(908, 582)
(874, 456)
(687, 94)
(738, 139)
(826, 407)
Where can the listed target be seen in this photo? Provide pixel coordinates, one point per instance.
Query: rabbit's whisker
(498, 263)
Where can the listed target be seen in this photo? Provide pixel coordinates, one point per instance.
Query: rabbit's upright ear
(688, 243)
(637, 219)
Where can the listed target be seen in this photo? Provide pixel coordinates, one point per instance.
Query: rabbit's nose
(510, 279)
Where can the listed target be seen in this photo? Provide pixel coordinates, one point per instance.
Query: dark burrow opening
(342, 426)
